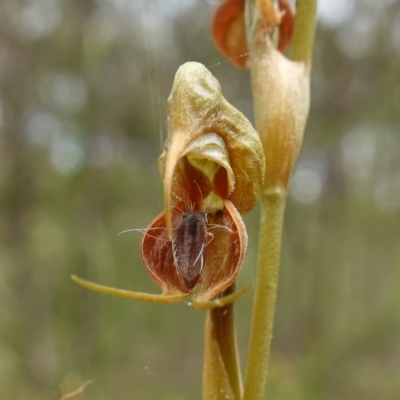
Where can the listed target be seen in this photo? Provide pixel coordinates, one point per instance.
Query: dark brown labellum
(189, 245)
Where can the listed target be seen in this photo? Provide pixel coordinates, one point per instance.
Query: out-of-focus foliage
(83, 88)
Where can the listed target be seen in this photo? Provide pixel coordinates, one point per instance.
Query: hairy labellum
(189, 245)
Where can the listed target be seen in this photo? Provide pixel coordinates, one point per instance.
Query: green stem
(223, 321)
(221, 375)
(272, 212)
(304, 30)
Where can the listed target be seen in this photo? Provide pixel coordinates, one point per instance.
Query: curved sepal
(127, 294)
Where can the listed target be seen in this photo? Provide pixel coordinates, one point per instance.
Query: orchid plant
(214, 167)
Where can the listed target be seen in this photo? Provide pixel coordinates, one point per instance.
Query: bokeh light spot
(332, 13)
(38, 18)
(307, 182)
(387, 194)
(358, 148)
(64, 90)
(42, 127)
(66, 155)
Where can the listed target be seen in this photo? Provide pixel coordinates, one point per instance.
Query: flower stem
(304, 30)
(280, 91)
(221, 374)
(272, 212)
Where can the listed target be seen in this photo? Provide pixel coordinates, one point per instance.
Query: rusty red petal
(190, 184)
(157, 254)
(228, 28)
(286, 25)
(206, 248)
(228, 31)
(225, 252)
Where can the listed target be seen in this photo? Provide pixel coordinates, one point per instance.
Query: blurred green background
(83, 89)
